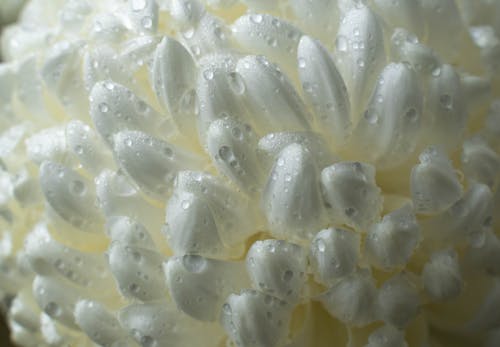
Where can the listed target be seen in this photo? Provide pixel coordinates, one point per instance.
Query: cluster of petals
(251, 173)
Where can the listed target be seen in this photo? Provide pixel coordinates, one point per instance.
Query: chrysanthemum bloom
(251, 173)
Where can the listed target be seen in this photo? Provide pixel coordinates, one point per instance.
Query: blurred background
(8, 13)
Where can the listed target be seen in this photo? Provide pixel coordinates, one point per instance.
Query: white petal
(398, 301)
(388, 131)
(118, 197)
(47, 257)
(190, 227)
(317, 17)
(234, 214)
(84, 142)
(186, 13)
(352, 194)
(125, 230)
(115, 108)
(407, 14)
(62, 76)
(334, 254)
(387, 336)
(71, 196)
(174, 81)
(446, 34)
(271, 145)
(253, 319)
(291, 198)
(391, 242)
(101, 326)
(24, 311)
(137, 271)
(144, 15)
(47, 144)
(441, 276)
(324, 89)
(274, 103)
(138, 53)
(360, 53)
(445, 109)
(406, 48)
(199, 285)
(108, 28)
(269, 36)
(232, 147)
(278, 268)
(56, 298)
(352, 299)
(209, 36)
(160, 324)
(135, 151)
(434, 184)
(469, 218)
(220, 91)
(479, 162)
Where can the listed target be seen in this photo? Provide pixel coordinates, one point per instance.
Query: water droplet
(236, 83)
(256, 18)
(185, 204)
(341, 43)
(226, 308)
(356, 31)
(271, 41)
(288, 178)
(77, 187)
(103, 107)
(446, 101)
(147, 22)
(148, 341)
(109, 86)
(168, 152)
(224, 153)
(371, 116)
(127, 142)
(302, 63)
(138, 5)
(78, 149)
(320, 245)
(236, 132)
(208, 74)
(52, 309)
(287, 275)
(188, 34)
(350, 212)
(141, 106)
(436, 72)
(361, 62)
(194, 263)
(411, 114)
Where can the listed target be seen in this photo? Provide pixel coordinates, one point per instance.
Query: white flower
(250, 173)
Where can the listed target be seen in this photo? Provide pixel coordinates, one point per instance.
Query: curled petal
(269, 36)
(325, 90)
(442, 278)
(352, 299)
(174, 72)
(71, 196)
(434, 183)
(232, 147)
(135, 151)
(360, 53)
(351, 193)
(334, 254)
(254, 319)
(388, 131)
(398, 301)
(278, 268)
(391, 242)
(199, 285)
(291, 199)
(272, 99)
